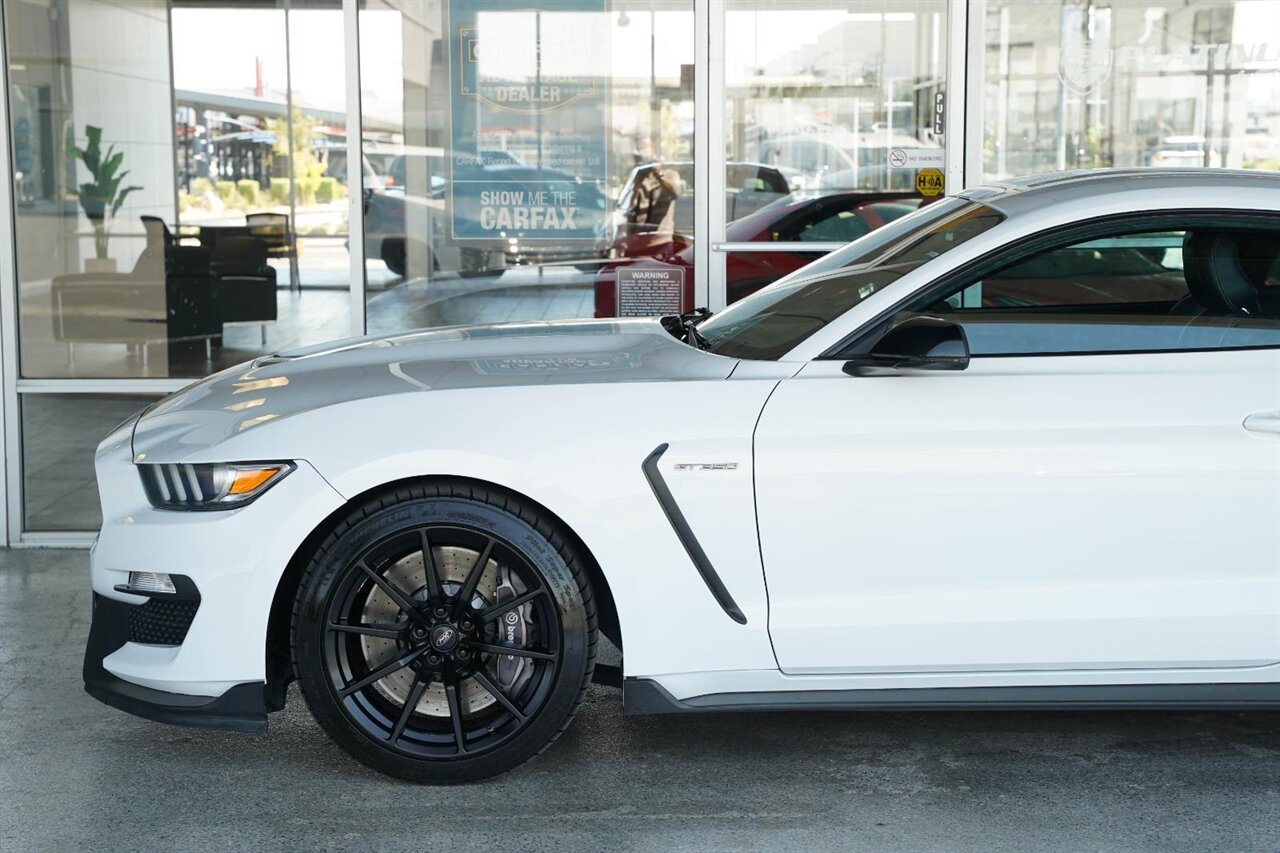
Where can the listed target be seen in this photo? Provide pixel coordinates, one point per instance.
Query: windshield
(773, 321)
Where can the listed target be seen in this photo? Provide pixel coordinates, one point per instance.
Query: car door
(1098, 491)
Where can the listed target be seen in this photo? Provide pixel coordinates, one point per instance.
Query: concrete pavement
(77, 775)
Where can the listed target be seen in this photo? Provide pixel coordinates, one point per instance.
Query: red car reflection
(834, 218)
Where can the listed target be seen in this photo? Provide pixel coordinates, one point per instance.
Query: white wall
(120, 81)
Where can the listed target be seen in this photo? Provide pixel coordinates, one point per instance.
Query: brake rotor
(452, 566)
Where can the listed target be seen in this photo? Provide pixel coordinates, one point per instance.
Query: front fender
(578, 450)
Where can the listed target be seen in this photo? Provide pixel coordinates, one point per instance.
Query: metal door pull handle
(1263, 422)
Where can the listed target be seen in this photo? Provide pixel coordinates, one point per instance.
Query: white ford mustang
(1018, 449)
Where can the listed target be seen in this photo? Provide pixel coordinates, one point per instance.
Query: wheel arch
(279, 662)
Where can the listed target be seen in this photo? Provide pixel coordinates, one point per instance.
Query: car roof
(1217, 187)
(797, 200)
(750, 225)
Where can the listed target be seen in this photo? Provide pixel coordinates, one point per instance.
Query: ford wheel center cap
(444, 637)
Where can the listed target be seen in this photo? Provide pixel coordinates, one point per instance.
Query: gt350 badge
(706, 466)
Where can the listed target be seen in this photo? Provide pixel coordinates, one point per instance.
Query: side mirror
(917, 343)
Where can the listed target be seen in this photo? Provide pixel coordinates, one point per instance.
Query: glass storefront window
(179, 206)
(520, 153)
(91, 131)
(181, 180)
(174, 196)
(261, 151)
(1084, 84)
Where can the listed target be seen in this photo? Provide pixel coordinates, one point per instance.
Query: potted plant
(102, 198)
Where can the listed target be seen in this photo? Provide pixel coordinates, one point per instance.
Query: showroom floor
(317, 314)
(78, 775)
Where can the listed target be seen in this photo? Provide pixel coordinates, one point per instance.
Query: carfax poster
(529, 118)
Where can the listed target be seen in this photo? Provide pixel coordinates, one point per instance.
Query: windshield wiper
(684, 327)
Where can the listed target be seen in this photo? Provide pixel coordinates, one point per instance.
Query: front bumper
(212, 668)
(243, 708)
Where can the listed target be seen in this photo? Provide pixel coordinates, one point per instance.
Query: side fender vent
(685, 534)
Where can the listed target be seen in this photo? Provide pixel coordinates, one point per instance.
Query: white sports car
(1020, 449)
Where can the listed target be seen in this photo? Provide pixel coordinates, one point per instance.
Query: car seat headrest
(1225, 269)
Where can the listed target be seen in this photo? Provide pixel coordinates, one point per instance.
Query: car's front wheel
(444, 633)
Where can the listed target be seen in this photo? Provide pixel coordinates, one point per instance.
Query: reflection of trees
(296, 139)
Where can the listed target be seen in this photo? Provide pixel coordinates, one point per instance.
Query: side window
(1135, 292)
(774, 181)
(808, 157)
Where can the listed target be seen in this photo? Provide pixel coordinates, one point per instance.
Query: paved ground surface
(76, 775)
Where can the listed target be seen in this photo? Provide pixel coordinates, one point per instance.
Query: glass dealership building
(190, 184)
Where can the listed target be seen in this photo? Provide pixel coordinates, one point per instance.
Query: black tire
(393, 255)
(448, 708)
(473, 261)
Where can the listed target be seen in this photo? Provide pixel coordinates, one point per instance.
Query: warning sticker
(650, 292)
(929, 182)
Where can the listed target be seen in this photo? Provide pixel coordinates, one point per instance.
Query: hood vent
(268, 360)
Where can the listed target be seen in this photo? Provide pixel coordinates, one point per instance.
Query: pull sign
(939, 112)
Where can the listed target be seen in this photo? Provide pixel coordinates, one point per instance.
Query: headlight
(220, 485)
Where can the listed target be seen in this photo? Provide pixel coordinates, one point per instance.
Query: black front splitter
(243, 708)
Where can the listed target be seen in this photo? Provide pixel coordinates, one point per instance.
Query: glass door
(832, 125)
(818, 121)
(528, 160)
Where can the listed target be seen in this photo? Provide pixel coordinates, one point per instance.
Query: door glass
(1081, 85)
(524, 154)
(835, 101)
(1198, 289)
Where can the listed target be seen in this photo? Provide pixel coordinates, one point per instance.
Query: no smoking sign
(916, 158)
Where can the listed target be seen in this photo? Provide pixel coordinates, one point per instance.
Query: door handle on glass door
(1263, 422)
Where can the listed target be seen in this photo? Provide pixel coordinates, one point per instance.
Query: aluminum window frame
(12, 471)
(13, 531)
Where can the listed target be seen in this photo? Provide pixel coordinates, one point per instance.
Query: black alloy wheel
(444, 633)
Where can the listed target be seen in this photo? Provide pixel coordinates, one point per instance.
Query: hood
(273, 388)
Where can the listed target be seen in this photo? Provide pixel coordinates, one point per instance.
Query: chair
(246, 283)
(158, 232)
(273, 229)
(168, 297)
